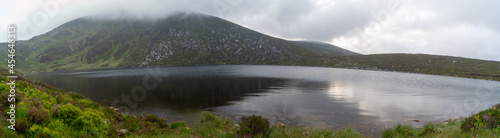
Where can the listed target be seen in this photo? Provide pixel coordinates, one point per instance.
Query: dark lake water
(368, 101)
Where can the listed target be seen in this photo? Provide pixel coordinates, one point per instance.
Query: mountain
(432, 64)
(197, 39)
(180, 39)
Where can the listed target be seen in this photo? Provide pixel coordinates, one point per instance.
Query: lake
(368, 101)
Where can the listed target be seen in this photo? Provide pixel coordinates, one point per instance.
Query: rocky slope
(180, 39)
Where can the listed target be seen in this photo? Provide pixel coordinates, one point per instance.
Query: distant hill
(432, 64)
(180, 39)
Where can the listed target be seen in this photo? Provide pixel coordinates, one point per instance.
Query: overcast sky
(458, 28)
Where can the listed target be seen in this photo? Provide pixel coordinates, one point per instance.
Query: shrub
(35, 102)
(429, 128)
(130, 123)
(4, 95)
(37, 115)
(405, 130)
(59, 99)
(399, 131)
(146, 128)
(207, 117)
(55, 109)
(21, 110)
(215, 126)
(142, 124)
(113, 132)
(155, 119)
(85, 103)
(68, 113)
(76, 96)
(489, 118)
(4, 102)
(118, 117)
(57, 125)
(22, 125)
(47, 102)
(38, 131)
(7, 133)
(3, 86)
(23, 86)
(179, 124)
(253, 125)
(108, 112)
(92, 122)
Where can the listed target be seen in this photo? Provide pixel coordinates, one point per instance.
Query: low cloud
(456, 28)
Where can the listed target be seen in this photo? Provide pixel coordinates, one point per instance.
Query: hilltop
(180, 39)
(198, 39)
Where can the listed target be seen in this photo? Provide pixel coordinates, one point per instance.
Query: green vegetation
(432, 64)
(181, 39)
(180, 124)
(45, 111)
(253, 125)
(196, 39)
(483, 124)
(489, 118)
(218, 126)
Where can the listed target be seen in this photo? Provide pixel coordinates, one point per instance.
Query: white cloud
(457, 28)
(416, 28)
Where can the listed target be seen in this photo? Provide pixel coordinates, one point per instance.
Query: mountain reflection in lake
(369, 101)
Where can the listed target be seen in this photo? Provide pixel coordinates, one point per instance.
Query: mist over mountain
(198, 39)
(180, 39)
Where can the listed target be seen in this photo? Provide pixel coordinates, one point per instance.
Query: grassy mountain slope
(321, 49)
(432, 64)
(196, 39)
(180, 39)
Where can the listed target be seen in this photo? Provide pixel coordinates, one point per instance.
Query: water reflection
(174, 91)
(337, 90)
(304, 103)
(298, 96)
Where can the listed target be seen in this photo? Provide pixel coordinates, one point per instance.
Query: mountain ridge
(181, 39)
(198, 39)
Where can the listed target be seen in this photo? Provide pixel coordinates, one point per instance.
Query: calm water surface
(333, 98)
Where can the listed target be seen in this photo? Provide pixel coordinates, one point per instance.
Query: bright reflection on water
(302, 96)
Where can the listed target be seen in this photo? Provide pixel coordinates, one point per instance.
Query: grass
(45, 111)
(432, 130)
(483, 124)
(204, 40)
(432, 64)
(217, 126)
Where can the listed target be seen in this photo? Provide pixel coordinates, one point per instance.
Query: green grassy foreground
(45, 111)
(484, 124)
